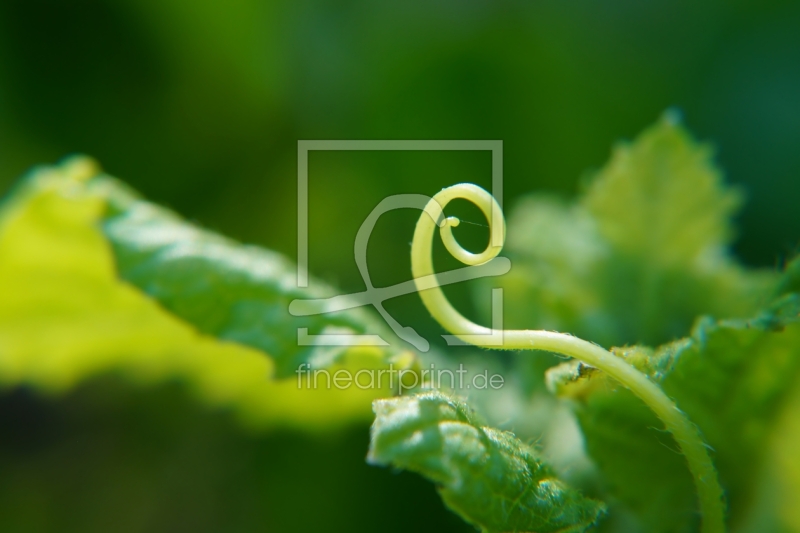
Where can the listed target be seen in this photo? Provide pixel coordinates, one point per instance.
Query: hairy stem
(685, 433)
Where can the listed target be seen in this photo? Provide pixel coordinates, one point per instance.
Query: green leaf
(488, 477)
(225, 289)
(662, 198)
(730, 378)
(780, 488)
(66, 316)
(639, 255)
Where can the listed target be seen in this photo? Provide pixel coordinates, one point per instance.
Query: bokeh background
(199, 105)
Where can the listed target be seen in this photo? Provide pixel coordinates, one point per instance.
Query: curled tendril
(685, 433)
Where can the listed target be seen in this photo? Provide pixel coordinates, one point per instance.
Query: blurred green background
(199, 105)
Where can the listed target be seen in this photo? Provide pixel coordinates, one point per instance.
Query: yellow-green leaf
(66, 316)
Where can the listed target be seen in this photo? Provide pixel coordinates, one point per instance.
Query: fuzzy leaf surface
(487, 476)
(731, 378)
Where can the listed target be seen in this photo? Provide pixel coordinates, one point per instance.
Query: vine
(685, 433)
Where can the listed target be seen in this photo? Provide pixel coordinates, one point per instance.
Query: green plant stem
(685, 433)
